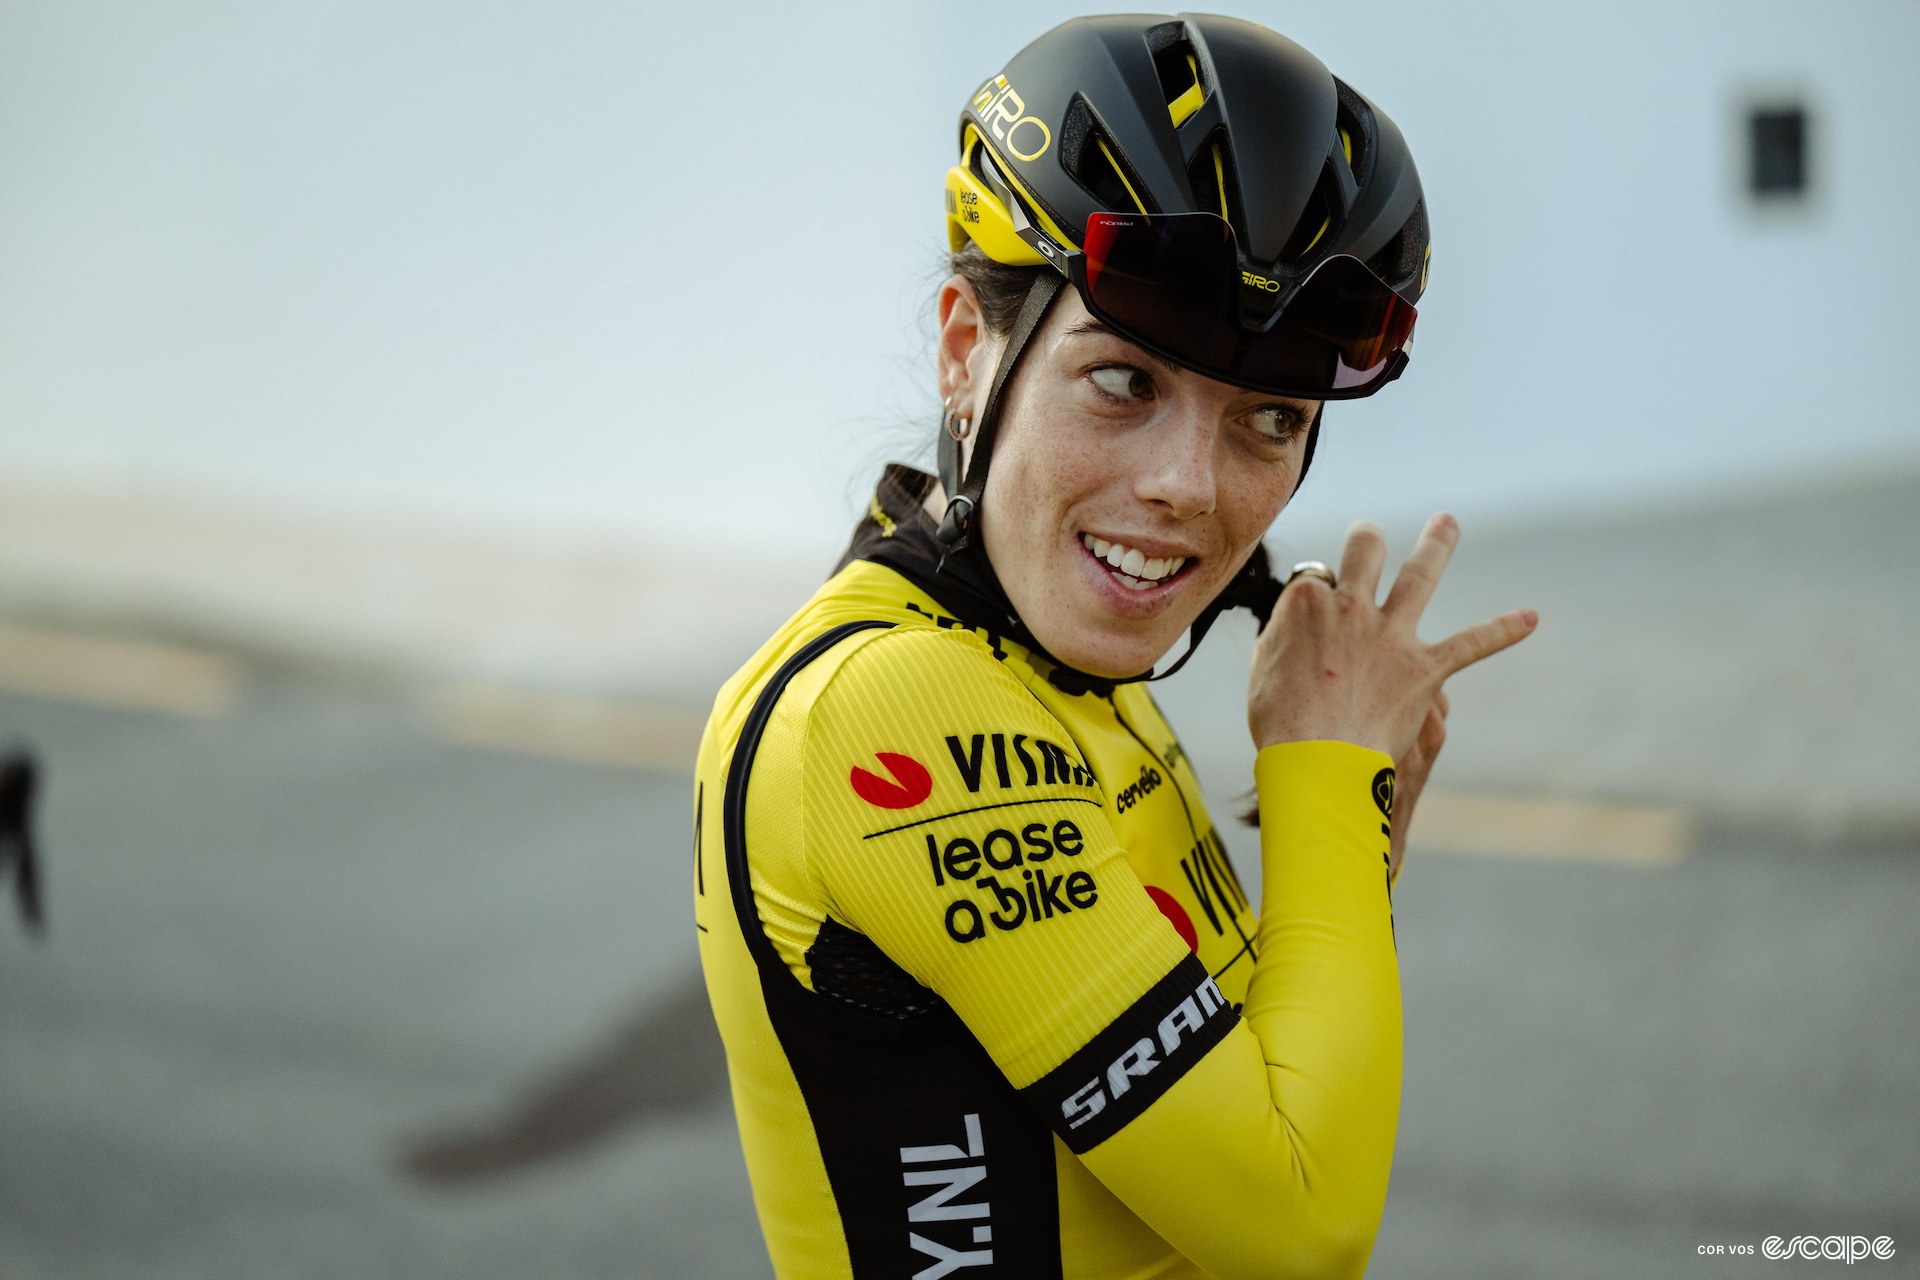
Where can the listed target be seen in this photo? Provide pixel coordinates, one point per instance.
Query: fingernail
(1530, 617)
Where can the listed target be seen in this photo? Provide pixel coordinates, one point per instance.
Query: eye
(1123, 381)
(1278, 422)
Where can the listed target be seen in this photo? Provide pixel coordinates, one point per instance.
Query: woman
(992, 996)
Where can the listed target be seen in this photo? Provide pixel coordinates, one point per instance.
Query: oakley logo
(1253, 281)
(1004, 113)
(909, 782)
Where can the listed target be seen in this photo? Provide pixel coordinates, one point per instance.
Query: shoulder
(923, 721)
(922, 680)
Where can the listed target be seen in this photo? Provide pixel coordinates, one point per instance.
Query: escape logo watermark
(1847, 1249)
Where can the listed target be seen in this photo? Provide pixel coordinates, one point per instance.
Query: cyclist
(993, 998)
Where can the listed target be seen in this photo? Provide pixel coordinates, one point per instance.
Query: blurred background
(411, 412)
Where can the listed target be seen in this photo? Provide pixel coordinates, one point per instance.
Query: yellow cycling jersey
(993, 999)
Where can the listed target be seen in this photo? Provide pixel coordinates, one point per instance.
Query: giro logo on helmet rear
(908, 784)
(1004, 113)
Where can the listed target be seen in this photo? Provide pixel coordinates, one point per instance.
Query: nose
(1177, 472)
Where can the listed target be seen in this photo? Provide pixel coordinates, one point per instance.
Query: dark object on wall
(1777, 152)
(18, 776)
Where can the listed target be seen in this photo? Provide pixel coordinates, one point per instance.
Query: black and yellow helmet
(1151, 114)
(1213, 193)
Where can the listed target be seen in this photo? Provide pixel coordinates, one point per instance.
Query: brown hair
(1001, 288)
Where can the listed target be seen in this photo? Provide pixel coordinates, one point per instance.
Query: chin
(1111, 656)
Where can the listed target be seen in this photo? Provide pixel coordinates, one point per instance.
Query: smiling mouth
(1131, 567)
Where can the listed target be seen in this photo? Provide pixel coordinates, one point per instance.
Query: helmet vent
(1401, 258)
(1316, 222)
(1354, 119)
(1098, 165)
(1179, 70)
(981, 164)
(1211, 177)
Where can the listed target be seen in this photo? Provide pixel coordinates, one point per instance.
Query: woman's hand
(1410, 779)
(1332, 665)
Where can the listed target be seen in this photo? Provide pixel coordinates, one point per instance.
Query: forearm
(1270, 1158)
(1324, 1001)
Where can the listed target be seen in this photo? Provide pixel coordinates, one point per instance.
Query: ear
(965, 353)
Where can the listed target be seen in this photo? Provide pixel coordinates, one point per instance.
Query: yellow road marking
(141, 674)
(626, 735)
(1550, 830)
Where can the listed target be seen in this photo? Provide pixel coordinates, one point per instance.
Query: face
(1125, 491)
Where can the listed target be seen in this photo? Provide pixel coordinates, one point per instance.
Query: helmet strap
(962, 520)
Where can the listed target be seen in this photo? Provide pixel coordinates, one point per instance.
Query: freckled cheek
(1251, 498)
(1053, 485)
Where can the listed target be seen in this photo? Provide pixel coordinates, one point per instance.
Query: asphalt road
(325, 997)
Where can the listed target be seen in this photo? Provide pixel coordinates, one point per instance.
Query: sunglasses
(1173, 283)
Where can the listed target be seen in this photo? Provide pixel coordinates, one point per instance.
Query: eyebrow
(1094, 328)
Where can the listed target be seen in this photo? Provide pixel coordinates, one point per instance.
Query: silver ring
(1310, 569)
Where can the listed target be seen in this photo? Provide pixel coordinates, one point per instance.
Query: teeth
(1134, 569)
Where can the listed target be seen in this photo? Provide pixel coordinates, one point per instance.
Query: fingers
(1420, 572)
(1360, 562)
(1482, 640)
(1442, 705)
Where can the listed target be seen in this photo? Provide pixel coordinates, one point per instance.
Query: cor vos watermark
(1847, 1249)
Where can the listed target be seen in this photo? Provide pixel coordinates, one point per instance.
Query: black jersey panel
(938, 1166)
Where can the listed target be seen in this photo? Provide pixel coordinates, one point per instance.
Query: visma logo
(907, 785)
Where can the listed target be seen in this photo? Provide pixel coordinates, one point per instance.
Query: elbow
(1331, 1246)
(1302, 1249)
(1344, 1248)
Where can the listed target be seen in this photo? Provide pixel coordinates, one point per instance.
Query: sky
(665, 272)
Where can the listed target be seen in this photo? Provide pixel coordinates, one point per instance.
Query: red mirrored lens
(1169, 280)
(1172, 282)
(1338, 334)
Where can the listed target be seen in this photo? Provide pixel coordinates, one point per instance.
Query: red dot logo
(1172, 910)
(909, 784)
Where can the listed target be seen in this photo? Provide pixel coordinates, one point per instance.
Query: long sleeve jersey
(993, 999)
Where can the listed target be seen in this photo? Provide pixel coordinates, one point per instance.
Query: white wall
(654, 270)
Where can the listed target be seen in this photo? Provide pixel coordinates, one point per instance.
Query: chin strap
(1254, 589)
(961, 522)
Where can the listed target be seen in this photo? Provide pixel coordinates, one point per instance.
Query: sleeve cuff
(1324, 822)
